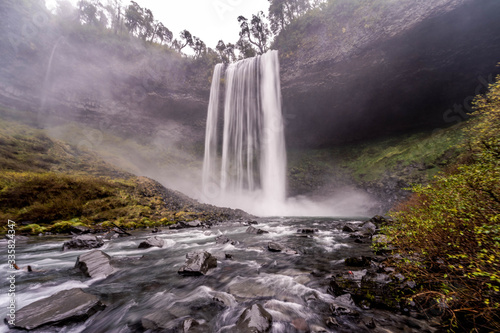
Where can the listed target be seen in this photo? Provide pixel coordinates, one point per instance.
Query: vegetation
(50, 186)
(449, 231)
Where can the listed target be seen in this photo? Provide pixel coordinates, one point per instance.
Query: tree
(163, 33)
(199, 47)
(134, 18)
(282, 12)
(186, 39)
(256, 32)
(226, 52)
(245, 48)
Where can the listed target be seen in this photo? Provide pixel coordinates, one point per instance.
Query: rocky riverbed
(264, 275)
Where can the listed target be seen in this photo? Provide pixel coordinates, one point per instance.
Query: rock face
(377, 70)
(151, 242)
(82, 242)
(254, 319)
(198, 263)
(94, 264)
(66, 306)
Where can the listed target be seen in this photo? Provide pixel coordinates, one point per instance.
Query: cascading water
(253, 163)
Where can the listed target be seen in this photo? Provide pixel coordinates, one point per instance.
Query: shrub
(450, 230)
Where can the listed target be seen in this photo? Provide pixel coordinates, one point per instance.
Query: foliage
(451, 228)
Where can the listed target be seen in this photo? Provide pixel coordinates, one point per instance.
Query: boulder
(368, 228)
(65, 306)
(358, 261)
(151, 242)
(252, 230)
(82, 242)
(222, 239)
(254, 319)
(79, 230)
(348, 228)
(307, 231)
(198, 263)
(160, 320)
(277, 247)
(94, 264)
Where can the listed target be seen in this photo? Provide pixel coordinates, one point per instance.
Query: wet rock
(358, 261)
(222, 239)
(332, 322)
(348, 228)
(111, 235)
(345, 283)
(254, 319)
(252, 230)
(79, 230)
(190, 224)
(189, 324)
(275, 247)
(307, 231)
(368, 229)
(94, 264)
(228, 256)
(64, 307)
(82, 242)
(160, 320)
(151, 242)
(344, 306)
(198, 263)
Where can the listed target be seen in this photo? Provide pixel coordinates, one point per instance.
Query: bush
(449, 231)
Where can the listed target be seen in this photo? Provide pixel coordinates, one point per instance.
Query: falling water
(253, 164)
(43, 97)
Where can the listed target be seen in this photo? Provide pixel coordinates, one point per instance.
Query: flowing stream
(292, 287)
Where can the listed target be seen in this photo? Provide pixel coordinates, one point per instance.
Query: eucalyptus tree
(256, 33)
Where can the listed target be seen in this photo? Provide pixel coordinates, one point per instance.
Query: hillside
(49, 185)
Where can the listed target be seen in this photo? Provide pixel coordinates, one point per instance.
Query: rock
(188, 324)
(193, 224)
(222, 239)
(198, 263)
(150, 242)
(344, 306)
(111, 235)
(348, 228)
(94, 264)
(307, 231)
(332, 322)
(254, 319)
(252, 230)
(368, 228)
(276, 247)
(82, 242)
(160, 320)
(228, 256)
(358, 261)
(380, 240)
(65, 306)
(79, 230)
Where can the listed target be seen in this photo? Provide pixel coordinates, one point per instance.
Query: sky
(210, 20)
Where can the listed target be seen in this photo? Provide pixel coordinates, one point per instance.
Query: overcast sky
(210, 20)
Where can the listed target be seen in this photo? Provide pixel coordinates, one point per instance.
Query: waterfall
(253, 156)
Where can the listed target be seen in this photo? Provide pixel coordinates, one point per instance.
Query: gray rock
(80, 230)
(198, 263)
(82, 242)
(277, 247)
(252, 230)
(222, 239)
(368, 228)
(151, 241)
(254, 319)
(358, 261)
(307, 231)
(348, 228)
(160, 320)
(66, 306)
(189, 324)
(94, 264)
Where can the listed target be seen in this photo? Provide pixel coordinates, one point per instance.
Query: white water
(253, 156)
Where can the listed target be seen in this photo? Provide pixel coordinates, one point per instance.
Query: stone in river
(65, 306)
(254, 319)
(252, 230)
(198, 263)
(94, 264)
(152, 241)
(82, 242)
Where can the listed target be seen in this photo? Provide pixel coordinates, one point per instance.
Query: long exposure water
(292, 287)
